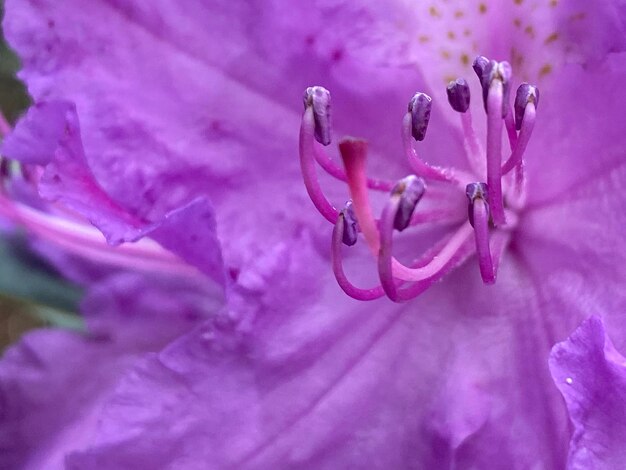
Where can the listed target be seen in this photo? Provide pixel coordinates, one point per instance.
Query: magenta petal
(591, 375)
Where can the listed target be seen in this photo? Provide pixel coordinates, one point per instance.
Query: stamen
(494, 150)
(479, 219)
(414, 125)
(526, 101)
(417, 288)
(411, 189)
(400, 271)
(318, 98)
(307, 166)
(458, 95)
(82, 240)
(459, 98)
(349, 288)
(387, 271)
(489, 224)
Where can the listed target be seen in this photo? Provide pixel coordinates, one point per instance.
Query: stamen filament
(334, 170)
(509, 122)
(86, 241)
(481, 234)
(307, 165)
(420, 167)
(434, 264)
(528, 124)
(499, 241)
(406, 273)
(494, 151)
(472, 144)
(345, 284)
(385, 271)
(435, 216)
(417, 288)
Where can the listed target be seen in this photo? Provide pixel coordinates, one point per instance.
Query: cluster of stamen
(494, 189)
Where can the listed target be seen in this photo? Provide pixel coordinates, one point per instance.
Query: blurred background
(31, 292)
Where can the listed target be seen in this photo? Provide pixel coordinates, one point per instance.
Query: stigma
(494, 185)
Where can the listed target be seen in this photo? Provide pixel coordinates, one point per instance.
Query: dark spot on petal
(337, 55)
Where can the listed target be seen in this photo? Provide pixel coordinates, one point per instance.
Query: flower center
(495, 190)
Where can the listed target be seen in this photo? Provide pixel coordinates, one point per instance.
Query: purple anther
(497, 71)
(526, 93)
(350, 226)
(458, 95)
(319, 98)
(419, 107)
(479, 65)
(475, 191)
(410, 189)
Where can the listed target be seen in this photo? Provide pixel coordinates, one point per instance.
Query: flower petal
(309, 386)
(37, 133)
(591, 375)
(200, 118)
(442, 38)
(568, 246)
(188, 231)
(54, 383)
(578, 135)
